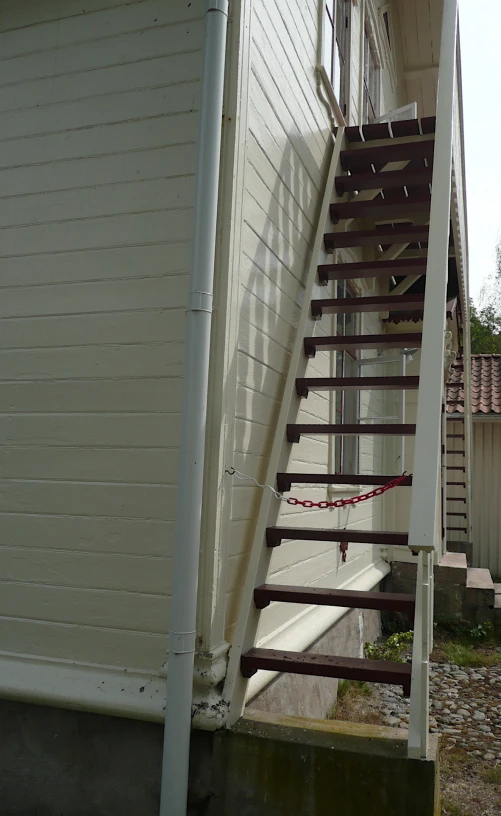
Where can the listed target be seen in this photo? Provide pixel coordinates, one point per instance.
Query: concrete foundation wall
(58, 762)
(301, 696)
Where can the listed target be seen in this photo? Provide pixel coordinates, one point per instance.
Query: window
(347, 403)
(336, 30)
(371, 81)
(386, 21)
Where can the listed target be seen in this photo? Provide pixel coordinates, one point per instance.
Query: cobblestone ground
(465, 708)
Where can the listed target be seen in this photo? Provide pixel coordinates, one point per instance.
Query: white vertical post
(423, 622)
(428, 454)
(425, 534)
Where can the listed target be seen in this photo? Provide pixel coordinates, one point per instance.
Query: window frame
(371, 78)
(339, 103)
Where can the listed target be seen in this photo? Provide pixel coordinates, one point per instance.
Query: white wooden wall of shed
(286, 148)
(98, 124)
(486, 509)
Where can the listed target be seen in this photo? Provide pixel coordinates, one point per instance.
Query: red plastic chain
(323, 505)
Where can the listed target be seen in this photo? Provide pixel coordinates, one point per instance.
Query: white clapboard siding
(486, 509)
(285, 168)
(98, 127)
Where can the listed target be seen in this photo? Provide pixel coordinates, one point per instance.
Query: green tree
(485, 330)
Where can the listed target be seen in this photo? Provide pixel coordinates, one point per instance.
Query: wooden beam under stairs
(306, 384)
(375, 238)
(384, 601)
(361, 341)
(294, 432)
(344, 668)
(379, 209)
(359, 305)
(391, 179)
(361, 156)
(275, 536)
(286, 480)
(371, 269)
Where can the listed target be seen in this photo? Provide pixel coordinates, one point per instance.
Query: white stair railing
(425, 530)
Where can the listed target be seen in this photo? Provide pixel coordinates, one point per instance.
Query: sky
(480, 27)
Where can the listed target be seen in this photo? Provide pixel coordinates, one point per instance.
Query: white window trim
(370, 26)
(324, 84)
(375, 23)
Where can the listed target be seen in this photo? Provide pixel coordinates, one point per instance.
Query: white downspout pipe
(182, 633)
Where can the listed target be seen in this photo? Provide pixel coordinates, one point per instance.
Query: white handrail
(425, 526)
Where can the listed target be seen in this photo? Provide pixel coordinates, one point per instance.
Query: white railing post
(425, 533)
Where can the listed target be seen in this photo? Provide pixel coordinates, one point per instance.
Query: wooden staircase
(383, 176)
(456, 528)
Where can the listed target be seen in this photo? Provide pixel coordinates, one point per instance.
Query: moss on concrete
(271, 765)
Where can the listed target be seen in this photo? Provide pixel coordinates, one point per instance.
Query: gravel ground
(466, 712)
(465, 708)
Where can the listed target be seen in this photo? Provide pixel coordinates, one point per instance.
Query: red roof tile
(485, 385)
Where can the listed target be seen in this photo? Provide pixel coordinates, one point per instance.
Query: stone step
(479, 595)
(452, 570)
(497, 596)
(479, 579)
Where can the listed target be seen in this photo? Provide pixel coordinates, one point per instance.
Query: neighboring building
(486, 453)
(100, 105)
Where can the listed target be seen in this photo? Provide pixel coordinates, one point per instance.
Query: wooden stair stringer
(244, 638)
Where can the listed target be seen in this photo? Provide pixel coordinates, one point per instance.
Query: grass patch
(353, 688)
(492, 775)
(353, 703)
(452, 809)
(465, 655)
(466, 645)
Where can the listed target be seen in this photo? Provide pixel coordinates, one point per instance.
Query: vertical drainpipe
(182, 632)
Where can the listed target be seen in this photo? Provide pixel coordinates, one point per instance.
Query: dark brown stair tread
(378, 208)
(457, 529)
(306, 384)
(393, 179)
(428, 124)
(354, 133)
(454, 499)
(369, 154)
(387, 601)
(378, 303)
(457, 515)
(406, 127)
(456, 484)
(376, 130)
(274, 535)
(383, 236)
(372, 269)
(344, 668)
(455, 436)
(456, 467)
(294, 432)
(285, 480)
(361, 341)
(457, 453)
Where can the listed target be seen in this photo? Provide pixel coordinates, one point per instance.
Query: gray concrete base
(462, 593)
(67, 763)
(285, 766)
(301, 696)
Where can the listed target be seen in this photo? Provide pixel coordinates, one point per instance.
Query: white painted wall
(285, 167)
(486, 489)
(98, 114)
(97, 134)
